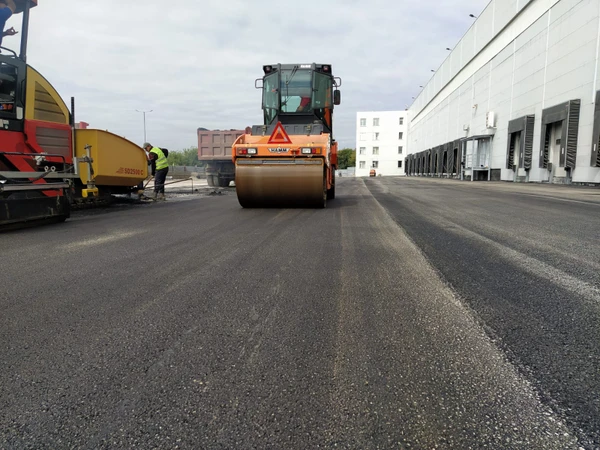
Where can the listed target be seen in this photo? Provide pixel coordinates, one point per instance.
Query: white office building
(517, 99)
(380, 142)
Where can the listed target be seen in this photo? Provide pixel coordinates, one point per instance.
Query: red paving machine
(46, 164)
(290, 160)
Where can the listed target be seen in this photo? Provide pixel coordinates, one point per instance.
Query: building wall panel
(503, 13)
(484, 29)
(468, 46)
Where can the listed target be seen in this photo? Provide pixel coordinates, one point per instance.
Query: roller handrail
(14, 54)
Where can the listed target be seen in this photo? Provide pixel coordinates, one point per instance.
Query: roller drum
(284, 183)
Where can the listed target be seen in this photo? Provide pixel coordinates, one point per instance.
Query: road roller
(47, 165)
(289, 161)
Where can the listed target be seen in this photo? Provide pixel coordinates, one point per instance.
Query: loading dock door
(557, 153)
(477, 150)
(445, 169)
(515, 155)
(567, 115)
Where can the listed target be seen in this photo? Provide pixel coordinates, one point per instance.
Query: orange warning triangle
(279, 136)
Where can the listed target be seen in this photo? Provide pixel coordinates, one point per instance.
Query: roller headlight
(311, 151)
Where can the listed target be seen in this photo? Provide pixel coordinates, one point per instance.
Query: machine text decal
(129, 171)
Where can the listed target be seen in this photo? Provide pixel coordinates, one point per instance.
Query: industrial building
(380, 142)
(516, 99)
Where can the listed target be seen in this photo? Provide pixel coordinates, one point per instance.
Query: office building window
(399, 164)
(362, 164)
(376, 122)
(376, 150)
(362, 151)
(363, 136)
(399, 149)
(400, 135)
(375, 136)
(375, 164)
(401, 121)
(363, 122)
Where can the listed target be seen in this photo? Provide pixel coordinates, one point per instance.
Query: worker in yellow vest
(160, 168)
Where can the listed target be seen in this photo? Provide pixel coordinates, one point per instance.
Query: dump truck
(47, 162)
(214, 149)
(290, 160)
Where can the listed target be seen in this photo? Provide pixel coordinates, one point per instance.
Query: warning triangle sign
(279, 136)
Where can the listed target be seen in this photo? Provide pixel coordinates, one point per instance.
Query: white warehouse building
(380, 142)
(516, 99)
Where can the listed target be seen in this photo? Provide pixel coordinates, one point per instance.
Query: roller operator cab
(290, 160)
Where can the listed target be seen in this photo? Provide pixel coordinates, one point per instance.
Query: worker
(7, 9)
(304, 104)
(160, 168)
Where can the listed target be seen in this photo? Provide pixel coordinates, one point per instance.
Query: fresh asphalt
(411, 313)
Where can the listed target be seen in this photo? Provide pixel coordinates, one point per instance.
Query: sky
(194, 63)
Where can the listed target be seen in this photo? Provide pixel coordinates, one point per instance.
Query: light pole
(144, 112)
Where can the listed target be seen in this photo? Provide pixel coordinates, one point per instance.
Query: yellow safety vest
(161, 161)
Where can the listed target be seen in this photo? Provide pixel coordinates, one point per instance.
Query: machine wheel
(325, 193)
(212, 180)
(223, 182)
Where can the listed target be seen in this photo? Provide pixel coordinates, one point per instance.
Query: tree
(186, 157)
(346, 158)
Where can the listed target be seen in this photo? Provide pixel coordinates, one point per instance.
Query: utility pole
(144, 113)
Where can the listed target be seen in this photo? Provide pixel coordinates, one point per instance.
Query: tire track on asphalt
(351, 352)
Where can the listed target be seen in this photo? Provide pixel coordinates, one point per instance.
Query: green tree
(346, 158)
(185, 157)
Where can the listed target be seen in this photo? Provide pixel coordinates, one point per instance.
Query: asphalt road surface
(411, 313)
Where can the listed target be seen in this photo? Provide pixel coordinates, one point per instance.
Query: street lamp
(473, 16)
(144, 112)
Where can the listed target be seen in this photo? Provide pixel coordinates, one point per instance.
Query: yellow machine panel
(116, 161)
(43, 102)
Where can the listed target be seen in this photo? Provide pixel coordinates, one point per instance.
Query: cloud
(194, 63)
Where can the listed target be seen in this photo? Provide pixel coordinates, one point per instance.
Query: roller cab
(290, 160)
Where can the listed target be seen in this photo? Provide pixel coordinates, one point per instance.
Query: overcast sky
(194, 62)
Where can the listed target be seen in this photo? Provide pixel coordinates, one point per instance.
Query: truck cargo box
(216, 144)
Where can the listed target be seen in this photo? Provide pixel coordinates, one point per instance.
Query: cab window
(8, 88)
(322, 97)
(270, 97)
(296, 91)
